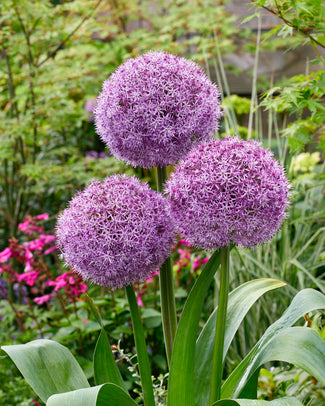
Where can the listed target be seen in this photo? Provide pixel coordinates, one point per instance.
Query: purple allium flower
(116, 232)
(228, 191)
(155, 108)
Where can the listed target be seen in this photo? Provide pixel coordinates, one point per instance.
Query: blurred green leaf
(151, 318)
(102, 395)
(47, 366)
(247, 402)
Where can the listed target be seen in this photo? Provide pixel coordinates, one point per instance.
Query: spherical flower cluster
(228, 191)
(116, 232)
(155, 108)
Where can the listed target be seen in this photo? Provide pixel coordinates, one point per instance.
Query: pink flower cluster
(188, 259)
(143, 288)
(37, 276)
(30, 227)
(71, 282)
(24, 253)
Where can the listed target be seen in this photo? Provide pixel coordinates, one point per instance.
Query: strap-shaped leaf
(105, 368)
(247, 402)
(240, 301)
(108, 394)
(94, 310)
(305, 301)
(181, 376)
(47, 366)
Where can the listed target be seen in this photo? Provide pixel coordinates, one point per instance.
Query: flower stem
(140, 344)
(166, 282)
(168, 306)
(218, 364)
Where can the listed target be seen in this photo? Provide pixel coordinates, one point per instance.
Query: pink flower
(42, 299)
(39, 243)
(28, 266)
(34, 245)
(57, 284)
(185, 242)
(28, 255)
(5, 255)
(51, 283)
(83, 288)
(49, 250)
(63, 276)
(139, 300)
(47, 238)
(197, 263)
(184, 254)
(28, 228)
(43, 216)
(156, 272)
(60, 284)
(71, 280)
(28, 277)
(24, 227)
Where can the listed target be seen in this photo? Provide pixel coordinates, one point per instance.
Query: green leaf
(250, 389)
(226, 402)
(103, 395)
(181, 377)
(240, 301)
(151, 318)
(48, 367)
(247, 402)
(249, 18)
(305, 301)
(94, 310)
(308, 274)
(271, 32)
(105, 368)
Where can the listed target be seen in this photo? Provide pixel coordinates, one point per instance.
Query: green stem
(166, 282)
(168, 307)
(218, 364)
(161, 178)
(140, 344)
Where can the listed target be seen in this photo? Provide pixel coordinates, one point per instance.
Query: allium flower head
(155, 108)
(116, 232)
(228, 191)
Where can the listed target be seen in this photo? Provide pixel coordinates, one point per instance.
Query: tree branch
(279, 14)
(52, 54)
